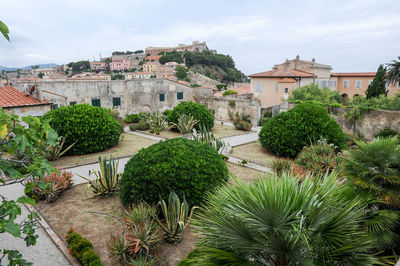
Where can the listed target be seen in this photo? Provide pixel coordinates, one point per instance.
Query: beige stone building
(274, 86)
(349, 85)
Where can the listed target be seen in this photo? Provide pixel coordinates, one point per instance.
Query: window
(54, 106)
(324, 84)
(117, 101)
(358, 84)
(334, 83)
(286, 90)
(259, 87)
(72, 103)
(369, 82)
(96, 102)
(162, 97)
(179, 96)
(345, 83)
(277, 87)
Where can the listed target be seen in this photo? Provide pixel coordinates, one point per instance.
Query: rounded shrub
(287, 133)
(199, 111)
(185, 166)
(92, 128)
(387, 133)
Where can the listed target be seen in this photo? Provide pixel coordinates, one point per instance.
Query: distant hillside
(26, 67)
(213, 65)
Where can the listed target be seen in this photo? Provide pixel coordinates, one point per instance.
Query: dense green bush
(82, 249)
(198, 111)
(287, 133)
(181, 165)
(131, 118)
(229, 92)
(92, 128)
(313, 93)
(387, 133)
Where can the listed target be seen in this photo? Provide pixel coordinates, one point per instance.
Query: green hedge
(82, 249)
(198, 111)
(92, 128)
(287, 133)
(180, 165)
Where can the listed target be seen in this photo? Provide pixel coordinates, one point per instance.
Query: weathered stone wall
(370, 124)
(33, 110)
(197, 78)
(244, 104)
(136, 95)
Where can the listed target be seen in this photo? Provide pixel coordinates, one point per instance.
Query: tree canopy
(378, 85)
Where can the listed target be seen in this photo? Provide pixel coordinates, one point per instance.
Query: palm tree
(393, 74)
(375, 168)
(277, 221)
(4, 30)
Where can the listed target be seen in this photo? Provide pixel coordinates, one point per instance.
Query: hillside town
(252, 136)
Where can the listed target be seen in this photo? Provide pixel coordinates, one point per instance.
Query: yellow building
(150, 67)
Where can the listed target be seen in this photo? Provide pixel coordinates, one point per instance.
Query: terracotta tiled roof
(354, 74)
(282, 73)
(11, 97)
(241, 90)
(155, 57)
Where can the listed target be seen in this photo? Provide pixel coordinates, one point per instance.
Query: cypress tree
(378, 85)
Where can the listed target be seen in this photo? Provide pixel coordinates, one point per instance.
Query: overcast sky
(352, 36)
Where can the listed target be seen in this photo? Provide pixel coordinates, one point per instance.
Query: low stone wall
(370, 124)
(244, 104)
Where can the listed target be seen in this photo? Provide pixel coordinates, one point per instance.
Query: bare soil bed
(254, 152)
(130, 145)
(96, 218)
(220, 131)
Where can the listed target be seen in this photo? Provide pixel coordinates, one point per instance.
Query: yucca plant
(55, 152)
(139, 212)
(157, 122)
(177, 216)
(279, 221)
(279, 166)
(107, 179)
(205, 136)
(185, 123)
(375, 168)
(142, 238)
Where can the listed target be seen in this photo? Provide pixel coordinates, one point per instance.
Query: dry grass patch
(245, 173)
(129, 146)
(255, 153)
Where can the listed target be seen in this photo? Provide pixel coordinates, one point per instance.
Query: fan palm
(393, 74)
(277, 221)
(375, 168)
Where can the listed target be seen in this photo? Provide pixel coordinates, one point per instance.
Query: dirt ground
(130, 145)
(220, 131)
(254, 152)
(96, 218)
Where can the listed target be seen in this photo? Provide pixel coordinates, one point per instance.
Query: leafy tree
(80, 66)
(138, 52)
(4, 30)
(378, 85)
(40, 75)
(181, 72)
(22, 158)
(173, 56)
(313, 93)
(35, 67)
(393, 75)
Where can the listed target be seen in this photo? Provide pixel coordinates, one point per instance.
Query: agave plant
(157, 122)
(205, 136)
(55, 152)
(279, 221)
(107, 179)
(177, 217)
(185, 123)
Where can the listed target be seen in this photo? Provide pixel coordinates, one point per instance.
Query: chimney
(297, 57)
(313, 60)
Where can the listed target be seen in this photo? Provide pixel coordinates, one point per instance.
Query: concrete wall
(136, 95)
(244, 104)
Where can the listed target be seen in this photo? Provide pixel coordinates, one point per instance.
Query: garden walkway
(45, 252)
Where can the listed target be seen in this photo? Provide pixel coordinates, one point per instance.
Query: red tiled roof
(11, 97)
(282, 73)
(241, 90)
(354, 74)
